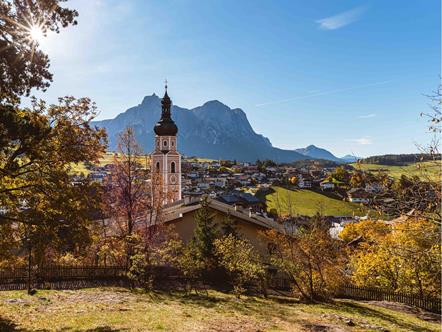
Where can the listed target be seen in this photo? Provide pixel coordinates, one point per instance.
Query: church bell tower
(166, 161)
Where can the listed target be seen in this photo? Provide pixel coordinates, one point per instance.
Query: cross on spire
(165, 84)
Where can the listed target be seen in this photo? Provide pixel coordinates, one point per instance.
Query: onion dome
(166, 126)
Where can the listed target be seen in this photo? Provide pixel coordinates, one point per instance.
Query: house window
(172, 167)
(158, 167)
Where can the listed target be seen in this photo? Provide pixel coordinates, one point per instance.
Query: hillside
(308, 203)
(427, 169)
(120, 310)
(212, 130)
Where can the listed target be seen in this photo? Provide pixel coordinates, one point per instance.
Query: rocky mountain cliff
(212, 130)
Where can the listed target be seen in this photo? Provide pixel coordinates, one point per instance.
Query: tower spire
(166, 126)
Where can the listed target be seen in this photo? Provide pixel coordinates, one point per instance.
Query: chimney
(250, 212)
(235, 207)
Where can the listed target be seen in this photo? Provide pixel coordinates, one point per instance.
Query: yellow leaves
(293, 180)
(406, 257)
(369, 230)
(240, 260)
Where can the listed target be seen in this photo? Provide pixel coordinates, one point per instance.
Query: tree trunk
(29, 281)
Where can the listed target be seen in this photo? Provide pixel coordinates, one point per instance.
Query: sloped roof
(175, 212)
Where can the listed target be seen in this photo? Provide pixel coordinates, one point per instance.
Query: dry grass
(120, 310)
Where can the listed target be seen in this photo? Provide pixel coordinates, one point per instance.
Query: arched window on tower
(157, 167)
(172, 167)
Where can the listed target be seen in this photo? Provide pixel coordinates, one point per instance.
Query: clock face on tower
(173, 179)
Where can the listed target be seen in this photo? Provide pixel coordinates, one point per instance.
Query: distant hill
(212, 130)
(318, 153)
(350, 158)
(400, 159)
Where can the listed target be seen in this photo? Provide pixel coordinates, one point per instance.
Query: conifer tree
(229, 227)
(204, 236)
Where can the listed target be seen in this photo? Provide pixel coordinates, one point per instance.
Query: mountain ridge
(212, 130)
(318, 153)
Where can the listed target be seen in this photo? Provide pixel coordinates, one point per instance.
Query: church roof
(166, 126)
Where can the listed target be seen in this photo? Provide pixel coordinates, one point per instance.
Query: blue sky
(348, 76)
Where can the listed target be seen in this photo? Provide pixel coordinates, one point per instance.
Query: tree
(229, 226)
(294, 180)
(422, 197)
(368, 230)
(341, 174)
(310, 257)
(404, 257)
(239, 259)
(357, 179)
(127, 197)
(23, 65)
(204, 236)
(43, 208)
(435, 115)
(36, 156)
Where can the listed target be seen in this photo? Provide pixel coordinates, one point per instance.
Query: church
(179, 212)
(165, 159)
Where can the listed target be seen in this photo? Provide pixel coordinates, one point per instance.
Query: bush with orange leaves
(310, 258)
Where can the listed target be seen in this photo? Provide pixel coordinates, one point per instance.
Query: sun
(36, 33)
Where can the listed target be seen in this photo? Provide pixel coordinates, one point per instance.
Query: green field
(106, 159)
(117, 309)
(425, 170)
(308, 203)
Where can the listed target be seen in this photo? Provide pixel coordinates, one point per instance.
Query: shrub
(310, 257)
(239, 259)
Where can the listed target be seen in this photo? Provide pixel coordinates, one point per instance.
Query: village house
(327, 185)
(374, 187)
(358, 195)
(242, 199)
(181, 215)
(305, 181)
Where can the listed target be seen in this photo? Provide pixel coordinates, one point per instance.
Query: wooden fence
(72, 277)
(375, 294)
(63, 277)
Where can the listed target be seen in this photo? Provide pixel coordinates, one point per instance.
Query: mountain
(350, 158)
(212, 130)
(318, 153)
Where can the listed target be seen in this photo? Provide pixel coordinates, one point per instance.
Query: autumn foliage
(404, 256)
(310, 257)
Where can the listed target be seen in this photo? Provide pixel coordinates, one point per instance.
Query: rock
(349, 322)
